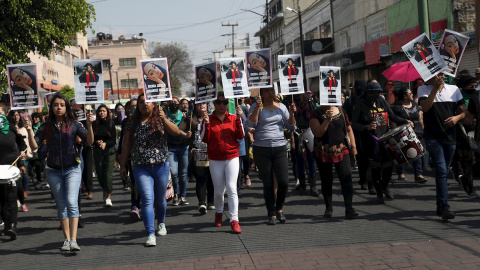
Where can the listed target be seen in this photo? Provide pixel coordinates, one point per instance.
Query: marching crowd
(159, 146)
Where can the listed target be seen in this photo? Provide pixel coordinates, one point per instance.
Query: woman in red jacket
(220, 132)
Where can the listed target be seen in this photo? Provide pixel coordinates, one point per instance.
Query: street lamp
(299, 13)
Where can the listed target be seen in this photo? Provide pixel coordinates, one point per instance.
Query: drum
(9, 174)
(402, 145)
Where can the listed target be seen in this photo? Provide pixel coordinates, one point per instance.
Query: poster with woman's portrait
(48, 98)
(78, 109)
(156, 80)
(88, 79)
(259, 69)
(290, 74)
(234, 79)
(23, 86)
(452, 46)
(424, 57)
(205, 82)
(330, 86)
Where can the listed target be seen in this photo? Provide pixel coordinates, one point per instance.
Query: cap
(373, 87)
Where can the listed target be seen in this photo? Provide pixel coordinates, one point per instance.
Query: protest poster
(23, 86)
(259, 69)
(234, 80)
(205, 82)
(78, 109)
(451, 48)
(290, 74)
(424, 57)
(330, 86)
(156, 79)
(88, 80)
(90, 109)
(48, 98)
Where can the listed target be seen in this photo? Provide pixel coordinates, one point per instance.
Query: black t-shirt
(474, 108)
(444, 106)
(10, 146)
(412, 114)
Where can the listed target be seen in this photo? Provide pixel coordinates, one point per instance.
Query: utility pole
(423, 21)
(111, 81)
(215, 54)
(332, 26)
(233, 36)
(129, 92)
(477, 28)
(267, 39)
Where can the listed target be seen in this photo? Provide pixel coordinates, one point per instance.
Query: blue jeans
(152, 182)
(442, 155)
(417, 167)
(178, 158)
(65, 186)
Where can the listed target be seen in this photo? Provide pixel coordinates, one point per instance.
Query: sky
(196, 23)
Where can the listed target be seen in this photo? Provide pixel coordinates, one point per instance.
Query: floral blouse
(148, 147)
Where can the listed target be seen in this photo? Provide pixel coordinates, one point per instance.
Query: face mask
(371, 99)
(121, 115)
(173, 107)
(132, 110)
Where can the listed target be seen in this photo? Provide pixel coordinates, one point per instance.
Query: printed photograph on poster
(156, 79)
(330, 86)
(88, 78)
(48, 98)
(234, 79)
(205, 82)
(290, 74)
(23, 86)
(259, 69)
(90, 109)
(451, 48)
(424, 57)
(78, 110)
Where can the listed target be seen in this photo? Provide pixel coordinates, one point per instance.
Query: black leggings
(8, 203)
(203, 185)
(344, 172)
(272, 160)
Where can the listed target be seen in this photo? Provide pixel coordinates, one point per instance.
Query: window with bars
(128, 62)
(312, 34)
(125, 83)
(107, 84)
(289, 48)
(325, 30)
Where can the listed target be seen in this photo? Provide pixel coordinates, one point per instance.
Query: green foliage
(67, 91)
(39, 25)
(180, 65)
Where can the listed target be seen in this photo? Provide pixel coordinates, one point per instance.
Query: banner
(234, 80)
(88, 78)
(205, 82)
(290, 74)
(78, 110)
(424, 57)
(23, 86)
(330, 86)
(259, 69)
(318, 46)
(156, 79)
(451, 49)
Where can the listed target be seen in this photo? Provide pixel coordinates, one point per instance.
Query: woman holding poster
(155, 78)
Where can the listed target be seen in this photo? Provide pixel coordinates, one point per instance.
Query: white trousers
(224, 176)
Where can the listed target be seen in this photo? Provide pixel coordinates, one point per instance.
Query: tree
(39, 25)
(67, 91)
(180, 65)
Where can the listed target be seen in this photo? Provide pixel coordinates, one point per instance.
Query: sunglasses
(222, 102)
(390, 84)
(472, 86)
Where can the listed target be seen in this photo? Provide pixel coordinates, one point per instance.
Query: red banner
(403, 37)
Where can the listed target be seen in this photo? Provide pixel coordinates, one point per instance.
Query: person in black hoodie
(371, 119)
(104, 150)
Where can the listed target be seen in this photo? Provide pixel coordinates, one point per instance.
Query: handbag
(169, 194)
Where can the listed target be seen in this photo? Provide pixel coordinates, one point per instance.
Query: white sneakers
(151, 241)
(108, 202)
(162, 231)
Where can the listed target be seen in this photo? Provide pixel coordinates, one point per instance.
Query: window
(289, 48)
(325, 30)
(108, 84)
(128, 62)
(125, 83)
(296, 46)
(106, 63)
(311, 35)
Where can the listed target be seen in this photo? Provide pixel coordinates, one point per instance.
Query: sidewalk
(404, 232)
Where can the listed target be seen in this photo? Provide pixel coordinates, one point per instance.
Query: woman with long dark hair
(269, 117)
(146, 133)
(104, 151)
(57, 137)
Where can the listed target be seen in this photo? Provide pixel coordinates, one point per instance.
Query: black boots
(313, 186)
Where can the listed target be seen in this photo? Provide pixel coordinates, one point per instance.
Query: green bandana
(36, 126)
(4, 125)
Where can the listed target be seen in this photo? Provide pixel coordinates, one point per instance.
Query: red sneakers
(218, 219)
(235, 227)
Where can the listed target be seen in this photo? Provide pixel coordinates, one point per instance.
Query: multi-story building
(120, 60)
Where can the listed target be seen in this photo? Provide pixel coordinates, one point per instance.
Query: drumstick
(191, 115)
(24, 151)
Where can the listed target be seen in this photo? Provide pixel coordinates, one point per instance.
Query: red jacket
(221, 137)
